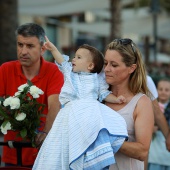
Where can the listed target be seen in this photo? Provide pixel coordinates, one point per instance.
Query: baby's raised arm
(54, 51)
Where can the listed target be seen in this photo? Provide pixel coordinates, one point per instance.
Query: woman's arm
(168, 141)
(143, 124)
(54, 51)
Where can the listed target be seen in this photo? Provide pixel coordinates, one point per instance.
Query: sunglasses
(127, 41)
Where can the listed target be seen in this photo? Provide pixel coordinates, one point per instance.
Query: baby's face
(82, 61)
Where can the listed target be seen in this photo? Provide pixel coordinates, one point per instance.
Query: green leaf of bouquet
(29, 83)
(1, 99)
(23, 133)
(4, 123)
(1, 117)
(3, 113)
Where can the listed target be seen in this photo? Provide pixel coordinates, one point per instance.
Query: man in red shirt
(45, 75)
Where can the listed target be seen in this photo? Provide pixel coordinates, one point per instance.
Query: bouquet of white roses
(22, 112)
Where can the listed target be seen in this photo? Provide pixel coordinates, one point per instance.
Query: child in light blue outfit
(86, 133)
(159, 156)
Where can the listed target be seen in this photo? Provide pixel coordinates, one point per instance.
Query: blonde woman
(126, 75)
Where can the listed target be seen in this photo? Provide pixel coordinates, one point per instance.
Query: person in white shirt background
(159, 156)
(160, 119)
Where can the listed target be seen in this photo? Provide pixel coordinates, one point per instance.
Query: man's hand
(40, 138)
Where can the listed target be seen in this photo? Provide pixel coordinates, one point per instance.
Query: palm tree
(115, 9)
(8, 24)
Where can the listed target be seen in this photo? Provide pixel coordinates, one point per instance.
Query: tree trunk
(115, 10)
(8, 25)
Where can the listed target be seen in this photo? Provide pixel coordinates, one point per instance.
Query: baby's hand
(155, 128)
(49, 45)
(121, 99)
(54, 51)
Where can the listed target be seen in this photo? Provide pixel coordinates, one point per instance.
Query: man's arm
(53, 109)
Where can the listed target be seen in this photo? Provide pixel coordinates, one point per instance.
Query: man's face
(29, 50)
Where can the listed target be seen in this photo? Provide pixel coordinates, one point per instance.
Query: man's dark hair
(32, 30)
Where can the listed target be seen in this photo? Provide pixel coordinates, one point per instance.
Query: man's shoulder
(48, 63)
(50, 71)
(10, 64)
(50, 66)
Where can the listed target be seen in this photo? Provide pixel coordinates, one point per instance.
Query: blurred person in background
(159, 117)
(158, 155)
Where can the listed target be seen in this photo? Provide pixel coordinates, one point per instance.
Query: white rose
(14, 103)
(35, 91)
(21, 88)
(20, 116)
(5, 128)
(7, 101)
(17, 93)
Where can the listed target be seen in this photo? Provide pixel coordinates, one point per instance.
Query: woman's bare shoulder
(144, 103)
(144, 99)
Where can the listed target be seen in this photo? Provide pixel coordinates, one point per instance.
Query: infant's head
(88, 59)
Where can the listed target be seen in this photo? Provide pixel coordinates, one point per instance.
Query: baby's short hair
(98, 58)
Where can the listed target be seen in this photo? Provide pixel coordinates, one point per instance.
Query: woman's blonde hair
(131, 55)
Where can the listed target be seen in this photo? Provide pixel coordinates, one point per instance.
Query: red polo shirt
(49, 80)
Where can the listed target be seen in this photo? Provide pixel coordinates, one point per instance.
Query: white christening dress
(86, 133)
